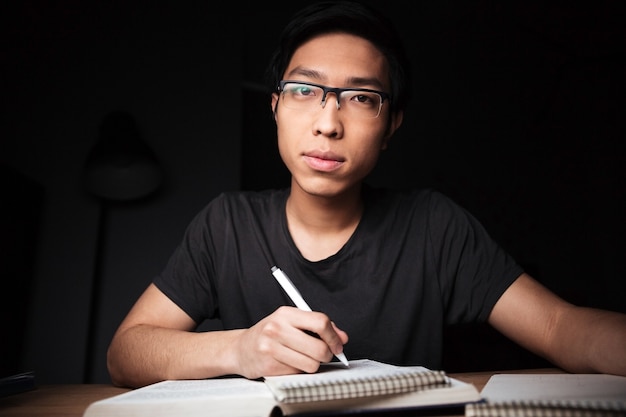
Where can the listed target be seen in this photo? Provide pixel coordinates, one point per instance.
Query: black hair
(349, 17)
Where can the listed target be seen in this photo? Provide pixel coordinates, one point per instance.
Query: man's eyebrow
(306, 72)
(364, 81)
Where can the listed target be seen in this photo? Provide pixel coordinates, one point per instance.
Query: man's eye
(362, 98)
(303, 91)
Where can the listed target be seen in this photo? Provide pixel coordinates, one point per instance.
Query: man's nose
(325, 99)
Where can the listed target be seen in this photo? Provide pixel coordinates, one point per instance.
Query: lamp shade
(121, 166)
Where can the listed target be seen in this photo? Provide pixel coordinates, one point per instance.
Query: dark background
(518, 114)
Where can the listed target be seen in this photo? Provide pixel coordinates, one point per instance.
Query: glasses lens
(353, 103)
(361, 103)
(302, 96)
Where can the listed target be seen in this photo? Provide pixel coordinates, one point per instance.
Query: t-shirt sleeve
(186, 278)
(473, 269)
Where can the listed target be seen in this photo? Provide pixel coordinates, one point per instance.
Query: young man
(387, 269)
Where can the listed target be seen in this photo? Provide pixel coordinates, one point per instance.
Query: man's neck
(320, 226)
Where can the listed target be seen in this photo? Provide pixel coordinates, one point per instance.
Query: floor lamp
(119, 168)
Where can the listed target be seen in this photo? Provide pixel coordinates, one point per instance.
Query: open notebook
(364, 385)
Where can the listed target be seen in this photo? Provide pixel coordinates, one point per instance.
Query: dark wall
(65, 66)
(20, 217)
(518, 114)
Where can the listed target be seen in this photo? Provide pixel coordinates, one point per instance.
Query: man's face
(329, 150)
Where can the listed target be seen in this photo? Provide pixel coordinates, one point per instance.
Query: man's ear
(274, 104)
(394, 123)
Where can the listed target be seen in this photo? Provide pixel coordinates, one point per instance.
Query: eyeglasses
(355, 102)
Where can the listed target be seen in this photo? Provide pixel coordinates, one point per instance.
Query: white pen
(297, 299)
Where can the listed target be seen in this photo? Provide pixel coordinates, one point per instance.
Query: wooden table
(71, 400)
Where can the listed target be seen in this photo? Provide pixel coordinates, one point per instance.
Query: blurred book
(15, 384)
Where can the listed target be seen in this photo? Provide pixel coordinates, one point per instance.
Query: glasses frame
(383, 95)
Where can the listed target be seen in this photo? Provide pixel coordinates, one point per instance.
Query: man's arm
(156, 341)
(577, 339)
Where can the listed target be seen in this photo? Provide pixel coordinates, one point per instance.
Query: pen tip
(343, 359)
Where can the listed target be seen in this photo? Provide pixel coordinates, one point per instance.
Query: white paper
(575, 387)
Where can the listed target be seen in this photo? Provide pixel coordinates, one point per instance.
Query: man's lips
(323, 161)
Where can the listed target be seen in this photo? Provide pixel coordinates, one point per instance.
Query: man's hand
(282, 343)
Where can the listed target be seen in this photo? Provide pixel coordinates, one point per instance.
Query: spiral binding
(396, 383)
(546, 408)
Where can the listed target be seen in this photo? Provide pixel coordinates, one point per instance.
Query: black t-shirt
(416, 262)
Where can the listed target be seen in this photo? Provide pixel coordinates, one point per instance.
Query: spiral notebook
(365, 385)
(552, 395)
(364, 378)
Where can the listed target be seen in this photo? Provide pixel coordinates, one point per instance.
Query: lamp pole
(119, 168)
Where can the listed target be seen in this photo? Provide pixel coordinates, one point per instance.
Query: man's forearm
(143, 354)
(593, 341)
